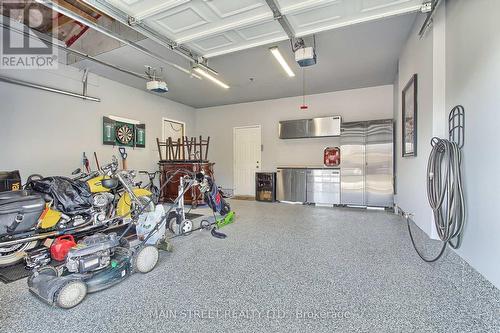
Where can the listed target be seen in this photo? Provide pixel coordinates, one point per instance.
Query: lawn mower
(55, 206)
(102, 260)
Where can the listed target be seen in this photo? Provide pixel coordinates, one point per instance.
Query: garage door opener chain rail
(445, 191)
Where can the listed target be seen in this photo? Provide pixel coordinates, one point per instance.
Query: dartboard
(124, 134)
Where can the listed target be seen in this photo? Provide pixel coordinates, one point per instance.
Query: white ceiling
(351, 57)
(215, 27)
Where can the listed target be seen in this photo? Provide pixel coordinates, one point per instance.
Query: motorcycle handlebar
(151, 175)
(86, 176)
(113, 166)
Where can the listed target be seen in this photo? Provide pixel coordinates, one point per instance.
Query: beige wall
(218, 122)
(472, 79)
(457, 63)
(47, 133)
(416, 57)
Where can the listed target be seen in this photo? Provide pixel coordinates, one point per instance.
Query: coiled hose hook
(445, 192)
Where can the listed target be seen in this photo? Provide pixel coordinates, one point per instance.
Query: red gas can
(61, 246)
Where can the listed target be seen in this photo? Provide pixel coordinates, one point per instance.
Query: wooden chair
(184, 149)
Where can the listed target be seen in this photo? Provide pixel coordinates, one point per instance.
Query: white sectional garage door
(215, 27)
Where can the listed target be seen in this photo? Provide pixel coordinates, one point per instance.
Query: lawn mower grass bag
(70, 196)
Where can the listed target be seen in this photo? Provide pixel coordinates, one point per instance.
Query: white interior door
(247, 158)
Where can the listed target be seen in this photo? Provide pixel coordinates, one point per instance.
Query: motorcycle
(54, 206)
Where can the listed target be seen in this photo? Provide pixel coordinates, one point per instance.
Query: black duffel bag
(70, 196)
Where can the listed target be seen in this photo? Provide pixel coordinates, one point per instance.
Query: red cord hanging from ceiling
(304, 105)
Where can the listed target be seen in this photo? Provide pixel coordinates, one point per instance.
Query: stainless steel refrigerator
(367, 163)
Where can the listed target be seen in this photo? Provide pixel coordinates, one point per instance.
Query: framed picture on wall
(409, 118)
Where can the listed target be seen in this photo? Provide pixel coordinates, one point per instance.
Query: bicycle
(151, 187)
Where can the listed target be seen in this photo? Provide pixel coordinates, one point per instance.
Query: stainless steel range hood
(310, 128)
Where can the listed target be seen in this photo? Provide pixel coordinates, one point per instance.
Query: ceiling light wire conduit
(45, 88)
(55, 7)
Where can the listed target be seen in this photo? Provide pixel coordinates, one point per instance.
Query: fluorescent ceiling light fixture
(277, 54)
(209, 76)
(207, 69)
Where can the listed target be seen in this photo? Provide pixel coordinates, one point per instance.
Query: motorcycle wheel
(11, 255)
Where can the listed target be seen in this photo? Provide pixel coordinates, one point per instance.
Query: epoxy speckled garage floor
(282, 268)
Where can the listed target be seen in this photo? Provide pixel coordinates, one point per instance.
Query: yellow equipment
(95, 184)
(49, 217)
(125, 202)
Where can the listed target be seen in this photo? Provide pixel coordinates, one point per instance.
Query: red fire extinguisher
(61, 246)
